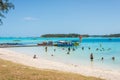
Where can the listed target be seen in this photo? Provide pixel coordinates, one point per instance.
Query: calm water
(107, 48)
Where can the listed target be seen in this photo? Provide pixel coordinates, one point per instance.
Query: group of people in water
(92, 57)
(73, 49)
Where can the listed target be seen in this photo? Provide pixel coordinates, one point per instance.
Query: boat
(66, 43)
(49, 43)
(76, 43)
(42, 44)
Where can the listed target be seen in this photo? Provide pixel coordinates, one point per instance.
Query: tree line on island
(63, 35)
(77, 35)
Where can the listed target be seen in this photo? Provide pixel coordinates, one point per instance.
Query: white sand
(45, 64)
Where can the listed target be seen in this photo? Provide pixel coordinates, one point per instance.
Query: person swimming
(113, 58)
(109, 49)
(73, 49)
(52, 55)
(54, 50)
(103, 49)
(97, 49)
(102, 58)
(89, 48)
(82, 48)
(68, 52)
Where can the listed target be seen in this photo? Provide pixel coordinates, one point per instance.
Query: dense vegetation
(77, 35)
(5, 6)
(63, 35)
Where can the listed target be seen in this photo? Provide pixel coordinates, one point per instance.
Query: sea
(105, 50)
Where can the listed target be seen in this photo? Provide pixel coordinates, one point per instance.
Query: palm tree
(5, 6)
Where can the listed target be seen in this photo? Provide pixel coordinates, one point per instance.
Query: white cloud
(30, 18)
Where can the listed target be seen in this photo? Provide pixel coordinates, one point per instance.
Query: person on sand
(34, 57)
(91, 56)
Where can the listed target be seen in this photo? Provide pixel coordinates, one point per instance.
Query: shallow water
(107, 48)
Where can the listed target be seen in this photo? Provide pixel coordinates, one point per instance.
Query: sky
(37, 17)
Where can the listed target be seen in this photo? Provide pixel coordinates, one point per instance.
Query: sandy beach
(46, 64)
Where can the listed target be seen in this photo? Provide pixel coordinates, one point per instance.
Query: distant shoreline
(77, 35)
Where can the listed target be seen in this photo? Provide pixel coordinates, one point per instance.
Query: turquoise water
(107, 48)
(31, 40)
(34, 40)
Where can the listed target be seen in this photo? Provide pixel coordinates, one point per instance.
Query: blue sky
(37, 17)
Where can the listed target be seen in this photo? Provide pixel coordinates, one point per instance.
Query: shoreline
(46, 64)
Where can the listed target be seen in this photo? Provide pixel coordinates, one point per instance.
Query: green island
(77, 35)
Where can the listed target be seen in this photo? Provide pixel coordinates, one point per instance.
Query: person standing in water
(54, 50)
(73, 49)
(82, 48)
(102, 58)
(69, 49)
(46, 49)
(91, 56)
